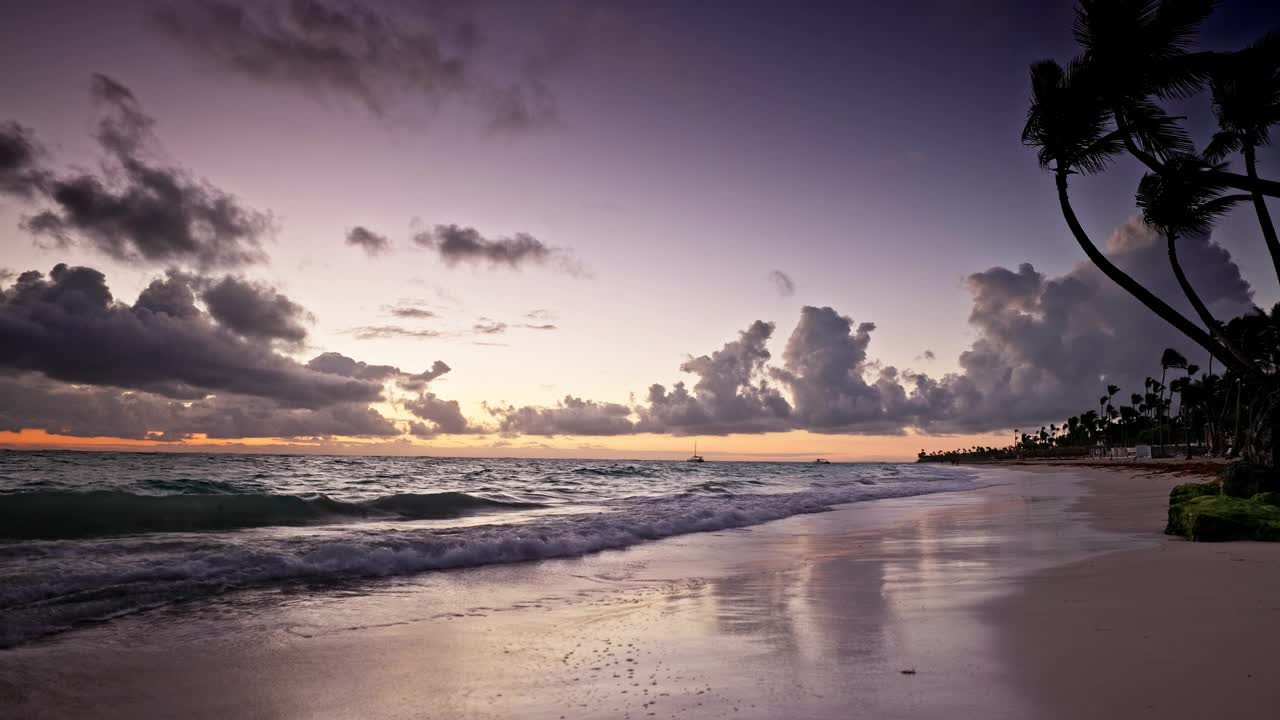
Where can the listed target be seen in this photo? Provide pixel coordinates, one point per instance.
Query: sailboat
(695, 457)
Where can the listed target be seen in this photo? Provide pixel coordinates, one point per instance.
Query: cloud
(540, 314)
(21, 173)
(75, 361)
(485, 326)
(255, 310)
(732, 393)
(572, 416)
(445, 416)
(928, 355)
(782, 283)
(372, 243)
(29, 401)
(70, 328)
(376, 57)
(339, 364)
(379, 332)
(548, 326)
(456, 244)
(1044, 345)
(414, 313)
(140, 211)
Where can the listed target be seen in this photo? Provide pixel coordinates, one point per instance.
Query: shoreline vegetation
(1108, 103)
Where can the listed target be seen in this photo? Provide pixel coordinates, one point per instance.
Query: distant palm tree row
(1106, 103)
(1212, 414)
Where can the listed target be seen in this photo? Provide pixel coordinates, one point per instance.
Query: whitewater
(85, 537)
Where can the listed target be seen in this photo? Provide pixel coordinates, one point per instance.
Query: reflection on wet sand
(812, 617)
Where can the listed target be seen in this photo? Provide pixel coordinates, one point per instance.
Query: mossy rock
(1187, 491)
(1243, 480)
(1267, 498)
(1215, 518)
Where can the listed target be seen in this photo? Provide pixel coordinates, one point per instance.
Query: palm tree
(1140, 50)
(1067, 122)
(1246, 101)
(1178, 202)
(1170, 358)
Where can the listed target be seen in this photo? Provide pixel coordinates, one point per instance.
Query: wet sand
(1051, 595)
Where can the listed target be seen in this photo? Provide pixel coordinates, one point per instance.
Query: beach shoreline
(1050, 594)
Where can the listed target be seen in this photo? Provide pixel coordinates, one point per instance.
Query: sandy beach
(1052, 593)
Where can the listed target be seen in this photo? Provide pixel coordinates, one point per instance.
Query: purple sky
(870, 154)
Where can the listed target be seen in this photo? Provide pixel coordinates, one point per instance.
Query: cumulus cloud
(29, 401)
(75, 361)
(443, 417)
(140, 211)
(732, 393)
(373, 56)
(255, 310)
(371, 242)
(456, 244)
(1045, 346)
(782, 283)
(70, 328)
(572, 416)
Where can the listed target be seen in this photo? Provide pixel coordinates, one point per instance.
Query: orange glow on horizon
(794, 446)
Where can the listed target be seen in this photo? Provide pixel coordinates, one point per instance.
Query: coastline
(1175, 629)
(988, 603)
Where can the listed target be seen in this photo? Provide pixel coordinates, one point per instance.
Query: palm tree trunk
(1134, 288)
(1203, 312)
(1260, 205)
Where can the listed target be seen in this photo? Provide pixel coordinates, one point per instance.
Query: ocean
(87, 536)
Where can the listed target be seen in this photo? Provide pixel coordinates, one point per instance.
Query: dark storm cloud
(21, 173)
(255, 310)
(32, 402)
(456, 244)
(376, 57)
(573, 416)
(372, 243)
(70, 328)
(782, 283)
(1045, 348)
(141, 211)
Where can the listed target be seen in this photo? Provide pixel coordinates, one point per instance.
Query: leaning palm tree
(1178, 202)
(1142, 51)
(1246, 101)
(1068, 123)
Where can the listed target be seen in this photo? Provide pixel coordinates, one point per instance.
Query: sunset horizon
(613, 359)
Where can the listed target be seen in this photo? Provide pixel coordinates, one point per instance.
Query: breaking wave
(53, 515)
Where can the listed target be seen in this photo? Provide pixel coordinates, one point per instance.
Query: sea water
(86, 536)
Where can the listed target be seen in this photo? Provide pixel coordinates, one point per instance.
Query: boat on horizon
(822, 461)
(695, 457)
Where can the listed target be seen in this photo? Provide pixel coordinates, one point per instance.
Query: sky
(522, 217)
